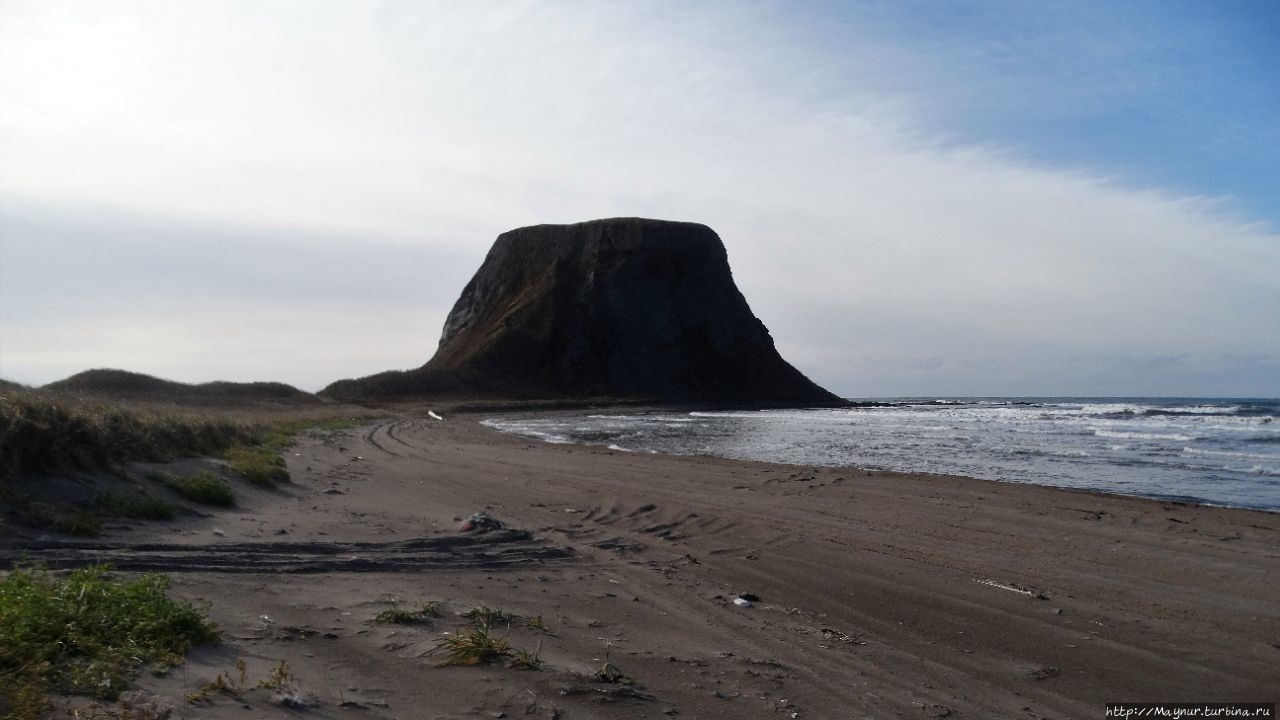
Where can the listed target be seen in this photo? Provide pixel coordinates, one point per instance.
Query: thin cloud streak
(885, 258)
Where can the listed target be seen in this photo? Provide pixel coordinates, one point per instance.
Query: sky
(917, 198)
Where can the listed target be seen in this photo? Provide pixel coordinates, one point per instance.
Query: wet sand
(881, 595)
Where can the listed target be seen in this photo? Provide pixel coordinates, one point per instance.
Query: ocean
(1217, 451)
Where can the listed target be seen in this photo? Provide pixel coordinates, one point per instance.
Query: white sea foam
(526, 429)
(1256, 470)
(1203, 410)
(1126, 435)
(1113, 409)
(1227, 454)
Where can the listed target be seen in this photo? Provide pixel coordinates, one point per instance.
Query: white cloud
(883, 259)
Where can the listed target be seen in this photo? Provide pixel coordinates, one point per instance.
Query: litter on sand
(433, 415)
(1011, 587)
(479, 522)
(742, 602)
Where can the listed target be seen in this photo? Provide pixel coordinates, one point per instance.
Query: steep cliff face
(623, 308)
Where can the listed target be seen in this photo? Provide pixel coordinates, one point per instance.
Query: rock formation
(625, 308)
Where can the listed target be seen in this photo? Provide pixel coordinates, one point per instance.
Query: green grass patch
(136, 507)
(87, 634)
(258, 464)
(32, 512)
(82, 523)
(204, 488)
(69, 520)
(282, 435)
(85, 521)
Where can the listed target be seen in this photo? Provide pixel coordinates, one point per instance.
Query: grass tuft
(483, 615)
(219, 684)
(280, 679)
(87, 634)
(396, 615)
(478, 644)
(204, 488)
(81, 523)
(474, 645)
(525, 659)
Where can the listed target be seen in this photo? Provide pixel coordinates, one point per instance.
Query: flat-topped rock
(625, 308)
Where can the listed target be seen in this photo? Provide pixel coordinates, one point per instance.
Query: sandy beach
(880, 595)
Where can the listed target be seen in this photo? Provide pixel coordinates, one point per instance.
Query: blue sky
(1179, 95)
(962, 198)
(1172, 94)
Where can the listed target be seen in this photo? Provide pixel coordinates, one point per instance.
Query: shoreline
(880, 594)
(1170, 499)
(1166, 453)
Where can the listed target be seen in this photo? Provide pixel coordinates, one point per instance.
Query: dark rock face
(624, 308)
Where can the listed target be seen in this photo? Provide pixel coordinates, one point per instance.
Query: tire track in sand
(497, 549)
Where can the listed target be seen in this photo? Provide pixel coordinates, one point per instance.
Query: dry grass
(44, 433)
(40, 434)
